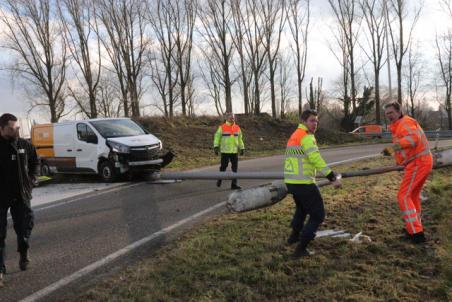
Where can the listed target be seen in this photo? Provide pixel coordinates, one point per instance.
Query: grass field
(243, 257)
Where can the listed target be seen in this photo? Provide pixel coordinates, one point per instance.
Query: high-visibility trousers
(409, 195)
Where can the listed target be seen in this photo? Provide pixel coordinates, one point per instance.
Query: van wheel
(107, 171)
(45, 170)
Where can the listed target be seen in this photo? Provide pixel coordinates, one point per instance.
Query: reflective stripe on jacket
(229, 138)
(407, 133)
(303, 158)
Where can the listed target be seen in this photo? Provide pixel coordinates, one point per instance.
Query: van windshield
(117, 128)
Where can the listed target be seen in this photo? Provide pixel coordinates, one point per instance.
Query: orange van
(368, 130)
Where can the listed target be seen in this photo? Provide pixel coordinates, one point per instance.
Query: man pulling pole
(411, 150)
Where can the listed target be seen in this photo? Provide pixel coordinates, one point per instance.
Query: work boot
(301, 253)
(418, 238)
(294, 237)
(24, 261)
(235, 187)
(300, 250)
(219, 183)
(2, 284)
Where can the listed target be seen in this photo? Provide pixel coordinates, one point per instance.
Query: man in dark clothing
(19, 166)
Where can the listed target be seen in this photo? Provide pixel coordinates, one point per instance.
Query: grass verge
(243, 257)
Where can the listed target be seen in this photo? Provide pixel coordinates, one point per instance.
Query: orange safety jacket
(407, 133)
(229, 138)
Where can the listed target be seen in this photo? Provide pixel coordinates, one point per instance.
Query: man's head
(9, 127)
(310, 120)
(393, 112)
(230, 117)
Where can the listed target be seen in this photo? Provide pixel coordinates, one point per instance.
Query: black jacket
(19, 166)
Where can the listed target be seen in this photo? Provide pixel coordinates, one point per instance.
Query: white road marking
(353, 159)
(109, 190)
(86, 195)
(93, 266)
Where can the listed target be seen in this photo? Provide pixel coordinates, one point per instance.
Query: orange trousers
(409, 195)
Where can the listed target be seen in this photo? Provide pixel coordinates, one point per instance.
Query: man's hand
(216, 150)
(388, 151)
(242, 152)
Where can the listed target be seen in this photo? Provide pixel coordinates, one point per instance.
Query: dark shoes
(233, 187)
(414, 238)
(24, 261)
(293, 238)
(418, 238)
(301, 252)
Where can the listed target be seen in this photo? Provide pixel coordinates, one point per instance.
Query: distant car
(106, 146)
(369, 131)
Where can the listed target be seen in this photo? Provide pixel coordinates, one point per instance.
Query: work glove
(337, 183)
(242, 152)
(216, 150)
(388, 151)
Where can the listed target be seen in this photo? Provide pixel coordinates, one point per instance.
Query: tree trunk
(377, 96)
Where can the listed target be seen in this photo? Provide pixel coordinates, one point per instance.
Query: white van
(106, 146)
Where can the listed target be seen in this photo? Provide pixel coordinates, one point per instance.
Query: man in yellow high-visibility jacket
(302, 160)
(228, 141)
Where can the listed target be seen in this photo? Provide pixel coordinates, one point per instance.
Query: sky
(321, 62)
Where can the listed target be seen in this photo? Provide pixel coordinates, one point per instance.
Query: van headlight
(119, 148)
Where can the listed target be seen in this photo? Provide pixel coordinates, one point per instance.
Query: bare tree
(126, 43)
(254, 45)
(214, 86)
(447, 5)
(397, 15)
(349, 23)
(315, 97)
(164, 71)
(444, 56)
(413, 76)
(216, 21)
(32, 36)
(108, 99)
(238, 38)
(285, 69)
(80, 25)
(298, 15)
(183, 23)
(274, 16)
(374, 14)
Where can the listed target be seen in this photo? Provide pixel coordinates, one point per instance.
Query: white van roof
(91, 120)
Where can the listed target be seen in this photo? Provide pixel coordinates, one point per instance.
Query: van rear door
(64, 159)
(86, 142)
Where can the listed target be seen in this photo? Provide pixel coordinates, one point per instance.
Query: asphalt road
(71, 235)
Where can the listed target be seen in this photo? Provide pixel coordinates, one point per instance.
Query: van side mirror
(92, 139)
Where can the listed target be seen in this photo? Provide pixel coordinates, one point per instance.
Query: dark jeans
(308, 201)
(23, 221)
(225, 158)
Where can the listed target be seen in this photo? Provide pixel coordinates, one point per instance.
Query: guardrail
(428, 133)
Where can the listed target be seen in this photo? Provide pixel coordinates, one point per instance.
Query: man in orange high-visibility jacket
(229, 141)
(411, 150)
